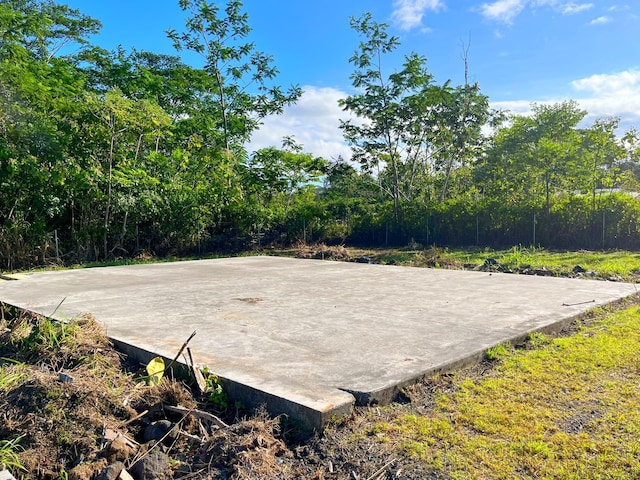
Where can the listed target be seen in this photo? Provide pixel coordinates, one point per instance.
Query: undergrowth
(621, 265)
(57, 429)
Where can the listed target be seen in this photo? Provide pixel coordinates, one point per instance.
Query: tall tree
(407, 127)
(531, 157)
(387, 135)
(601, 152)
(460, 122)
(242, 75)
(40, 94)
(556, 144)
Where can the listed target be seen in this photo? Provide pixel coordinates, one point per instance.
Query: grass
(9, 454)
(604, 264)
(11, 375)
(562, 408)
(621, 265)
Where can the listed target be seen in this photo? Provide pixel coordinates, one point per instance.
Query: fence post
(55, 235)
(427, 230)
(534, 229)
(603, 229)
(475, 206)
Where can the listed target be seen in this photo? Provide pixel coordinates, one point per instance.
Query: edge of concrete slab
(304, 411)
(387, 394)
(312, 407)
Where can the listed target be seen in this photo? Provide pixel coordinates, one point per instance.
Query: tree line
(108, 154)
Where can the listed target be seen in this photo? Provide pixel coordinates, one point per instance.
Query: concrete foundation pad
(310, 338)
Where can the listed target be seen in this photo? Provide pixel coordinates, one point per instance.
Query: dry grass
(51, 429)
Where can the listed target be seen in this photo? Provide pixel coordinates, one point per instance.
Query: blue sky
(521, 51)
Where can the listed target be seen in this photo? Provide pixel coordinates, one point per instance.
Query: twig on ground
(131, 420)
(197, 413)
(184, 345)
(381, 469)
(197, 374)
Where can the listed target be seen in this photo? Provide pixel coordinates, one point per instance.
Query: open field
(553, 407)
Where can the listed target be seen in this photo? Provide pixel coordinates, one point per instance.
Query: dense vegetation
(106, 154)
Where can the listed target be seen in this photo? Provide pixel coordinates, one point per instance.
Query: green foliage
(110, 155)
(417, 133)
(498, 352)
(214, 390)
(232, 63)
(9, 454)
(48, 334)
(10, 376)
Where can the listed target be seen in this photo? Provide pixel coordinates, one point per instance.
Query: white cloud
(624, 84)
(572, 8)
(602, 95)
(408, 13)
(616, 95)
(566, 8)
(600, 21)
(506, 10)
(502, 10)
(313, 122)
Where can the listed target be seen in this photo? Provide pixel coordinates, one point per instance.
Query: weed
(498, 352)
(518, 257)
(48, 334)
(538, 340)
(10, 377)
(214, 390)
(9, 454)
(536, 448)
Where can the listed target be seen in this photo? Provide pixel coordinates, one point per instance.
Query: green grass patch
(563, 408)
(603, 264)
(621, 265)
(11, 375)
(9, 450)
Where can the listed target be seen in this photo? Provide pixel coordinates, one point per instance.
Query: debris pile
(72, 407)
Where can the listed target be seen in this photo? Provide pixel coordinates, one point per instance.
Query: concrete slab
(309, 338)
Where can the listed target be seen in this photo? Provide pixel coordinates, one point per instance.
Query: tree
(460, 123)
(276, 177)
(40, 29)
(40, 104)
(556, 144)
(408, 128)
(387, 135)
(532, 156)
(240, 73)
(600, 153)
